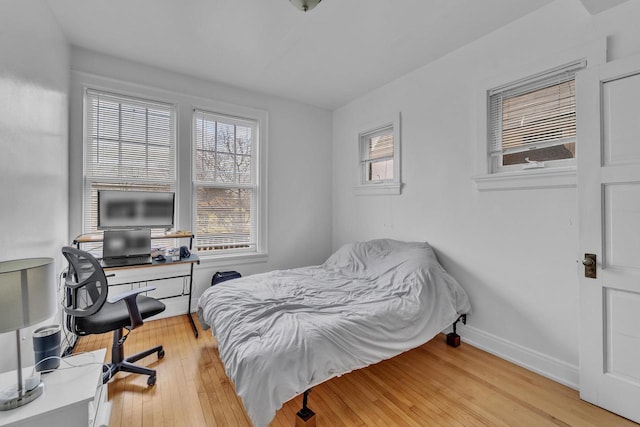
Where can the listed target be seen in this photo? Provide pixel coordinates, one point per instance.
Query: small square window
(379, 156)
(532, 122)
(527, 121)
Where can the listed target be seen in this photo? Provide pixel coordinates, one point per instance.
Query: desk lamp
(27, 297)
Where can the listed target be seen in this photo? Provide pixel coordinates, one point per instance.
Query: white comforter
(282, 332)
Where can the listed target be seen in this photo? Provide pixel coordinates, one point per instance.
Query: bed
(283, 332)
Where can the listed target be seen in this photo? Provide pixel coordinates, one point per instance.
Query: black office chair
(91, 312)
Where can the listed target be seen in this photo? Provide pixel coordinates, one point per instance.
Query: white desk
(72, 397)
(98, 237)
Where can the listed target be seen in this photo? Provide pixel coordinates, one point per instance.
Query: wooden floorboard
(432, 385)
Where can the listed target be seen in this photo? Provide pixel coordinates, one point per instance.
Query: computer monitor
(118, 209)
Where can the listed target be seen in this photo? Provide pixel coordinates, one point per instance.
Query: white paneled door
(608, 99)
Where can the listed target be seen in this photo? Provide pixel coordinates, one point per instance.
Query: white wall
(514, 252)
(34, 78)
(299, 163)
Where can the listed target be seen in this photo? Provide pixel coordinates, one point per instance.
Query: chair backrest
(86, 284)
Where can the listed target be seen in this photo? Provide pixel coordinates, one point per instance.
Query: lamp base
(10, 399)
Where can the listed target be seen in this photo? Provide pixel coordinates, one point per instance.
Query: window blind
(225, 182)
(129, 144)
(534, 114)
(377, 155)
(380, 146)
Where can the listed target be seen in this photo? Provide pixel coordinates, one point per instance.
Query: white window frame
(391, 186)
(561, 175)
(185, 104)
(531, 84)
(259, 199)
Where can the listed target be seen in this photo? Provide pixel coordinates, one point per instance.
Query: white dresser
(73, 396)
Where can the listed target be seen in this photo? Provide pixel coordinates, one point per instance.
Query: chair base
(119, 363)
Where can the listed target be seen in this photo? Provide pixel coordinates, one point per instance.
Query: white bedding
(282, 332)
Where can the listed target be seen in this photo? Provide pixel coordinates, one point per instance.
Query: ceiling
(325, 57)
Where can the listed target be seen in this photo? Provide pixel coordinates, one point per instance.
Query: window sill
(378, 189)
(564, 177)
(212, 261)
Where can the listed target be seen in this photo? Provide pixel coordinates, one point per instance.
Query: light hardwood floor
(432, 385)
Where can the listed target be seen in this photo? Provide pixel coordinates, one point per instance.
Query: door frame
(592, 176)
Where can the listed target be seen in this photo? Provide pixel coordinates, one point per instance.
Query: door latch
(589, 263)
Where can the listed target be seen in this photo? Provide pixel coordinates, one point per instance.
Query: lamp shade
(27, 292)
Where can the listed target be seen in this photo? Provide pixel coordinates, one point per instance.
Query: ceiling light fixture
(305, 5)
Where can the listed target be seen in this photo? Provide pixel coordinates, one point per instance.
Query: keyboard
(126, 261)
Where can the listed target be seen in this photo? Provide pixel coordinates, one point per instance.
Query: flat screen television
(135, 209)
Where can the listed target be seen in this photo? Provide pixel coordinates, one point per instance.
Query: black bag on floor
(223, 276)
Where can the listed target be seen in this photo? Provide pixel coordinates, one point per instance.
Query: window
(133, 138)
(130, 144)
(377, 155)
(225, 182)
(532, 122)
(379, 150)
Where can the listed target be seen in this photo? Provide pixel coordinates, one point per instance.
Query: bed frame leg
(453, 339)
(305, 416)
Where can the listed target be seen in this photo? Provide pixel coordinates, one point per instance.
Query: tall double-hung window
(130, 144)
(532, 122)
(225, 182)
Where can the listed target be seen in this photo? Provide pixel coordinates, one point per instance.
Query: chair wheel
(151, 380)
(160, 354)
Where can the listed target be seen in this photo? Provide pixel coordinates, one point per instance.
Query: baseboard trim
(547, 366)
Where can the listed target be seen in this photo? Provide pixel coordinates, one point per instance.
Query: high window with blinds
(532, 122)
(379, 158)
(377, 151)
(225, 184)
(130, 144)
